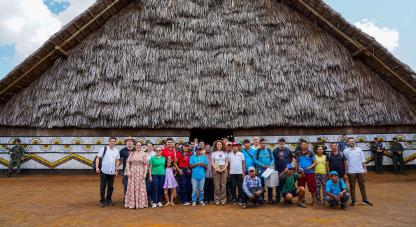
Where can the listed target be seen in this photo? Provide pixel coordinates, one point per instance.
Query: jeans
(106, 180)
(198, 186)
(148, 189)
(209, 190)
(236, 185)
(269, 190)
(398, 160)
(157, 188)
(184, 187)
(255, 200)
(333, 202)
(352, 177)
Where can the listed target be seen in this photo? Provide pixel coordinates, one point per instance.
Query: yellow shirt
(320, 166)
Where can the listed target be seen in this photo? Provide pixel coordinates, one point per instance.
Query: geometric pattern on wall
(78, 152)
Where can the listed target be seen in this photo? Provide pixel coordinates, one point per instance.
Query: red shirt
(166, 152)
(183, 161)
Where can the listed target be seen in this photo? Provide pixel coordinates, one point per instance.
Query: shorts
(309, 179)
(293, 192)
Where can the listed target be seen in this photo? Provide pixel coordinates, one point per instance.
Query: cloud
(387, 37)
(27, 24)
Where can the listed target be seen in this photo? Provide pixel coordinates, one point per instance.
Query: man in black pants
(237, 167)
(107, 165)
(377, 150)
(397, 150)
(124, 155)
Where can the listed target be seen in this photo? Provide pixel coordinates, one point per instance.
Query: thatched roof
(209, 63)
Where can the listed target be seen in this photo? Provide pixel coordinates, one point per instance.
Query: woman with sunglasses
(157, 177)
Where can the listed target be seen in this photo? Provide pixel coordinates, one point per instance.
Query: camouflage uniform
(16, 155)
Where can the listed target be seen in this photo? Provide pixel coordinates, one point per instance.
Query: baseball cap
(251, 168)
(333, 172)
(235, 144)
(289, 166)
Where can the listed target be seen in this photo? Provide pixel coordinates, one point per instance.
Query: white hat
(251, 168)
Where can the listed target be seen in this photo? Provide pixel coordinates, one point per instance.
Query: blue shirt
(306, 160)
(334, 188)
(198, 172)
(281, 158)
(248, 157)
(265, 158)
(342, 145)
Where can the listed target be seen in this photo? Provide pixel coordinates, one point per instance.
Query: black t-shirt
(124, 154)
(336, 163)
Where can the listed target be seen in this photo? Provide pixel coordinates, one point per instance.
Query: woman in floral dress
(136, 195)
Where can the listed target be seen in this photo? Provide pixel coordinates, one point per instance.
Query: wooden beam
(358, 45)
(359, 52)
(61, 52)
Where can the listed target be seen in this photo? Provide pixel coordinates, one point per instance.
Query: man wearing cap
(16, 156)
(397, 150)
(249, 154)
(185, 173)
(282, 156)
(124, 155)
(336, 191)
(289, 191)
(252, 188)
(237, 167)
(264, 159)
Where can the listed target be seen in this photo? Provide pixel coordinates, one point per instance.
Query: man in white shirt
(237, 165)
(256, 142)
(356, 169)
(109, 157)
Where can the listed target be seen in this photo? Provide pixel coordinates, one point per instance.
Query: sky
(26, 24)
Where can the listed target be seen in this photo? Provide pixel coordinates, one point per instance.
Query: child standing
(199, 164)
(320, 174)
(170, 184)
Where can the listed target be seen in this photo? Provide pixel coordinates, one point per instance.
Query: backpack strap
(251, 156)
(105, 151)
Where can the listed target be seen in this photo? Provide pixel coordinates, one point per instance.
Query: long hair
(214, 145)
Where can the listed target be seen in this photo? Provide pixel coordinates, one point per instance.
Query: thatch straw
(208, 63)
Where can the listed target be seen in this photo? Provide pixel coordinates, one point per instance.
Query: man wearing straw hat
(124, 155)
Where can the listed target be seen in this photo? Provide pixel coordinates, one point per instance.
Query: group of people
(233, 172)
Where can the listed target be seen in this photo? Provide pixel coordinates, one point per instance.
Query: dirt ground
(55, 200)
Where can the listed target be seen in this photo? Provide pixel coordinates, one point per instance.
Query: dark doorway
(210, 135)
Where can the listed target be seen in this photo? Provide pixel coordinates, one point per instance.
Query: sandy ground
(49, 200)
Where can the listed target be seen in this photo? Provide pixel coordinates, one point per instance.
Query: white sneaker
(193, 204)
(202, 204)
(186, 204)
(153, 205)
(159, 204)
